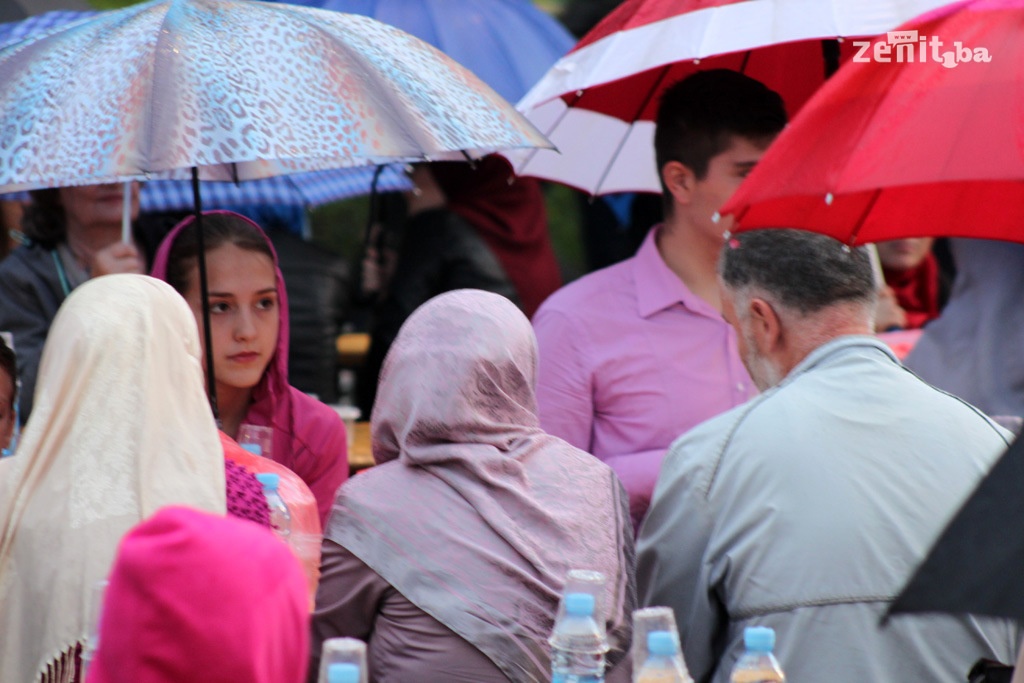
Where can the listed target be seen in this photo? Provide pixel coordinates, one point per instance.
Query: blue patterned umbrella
(235, 90)
(303, 189)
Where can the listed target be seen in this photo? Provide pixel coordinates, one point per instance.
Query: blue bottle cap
(343, 673)
(579, 604)
(661, 643)
(253, 448)
(759, 638)
(269, 480)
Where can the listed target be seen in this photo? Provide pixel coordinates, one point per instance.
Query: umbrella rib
(864, 216)
(551, 129)
(622, 142)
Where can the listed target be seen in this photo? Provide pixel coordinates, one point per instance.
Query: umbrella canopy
(598, 103)
(303, 189)
(975, 566)
(509, 44)
(901, 148)
(297, 189)
(236, 90)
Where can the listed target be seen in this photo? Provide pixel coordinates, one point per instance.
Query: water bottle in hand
(758, 664)
(280, 517)
(578, 643)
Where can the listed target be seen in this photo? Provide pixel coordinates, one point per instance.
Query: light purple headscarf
(473, 513)
(975, 348)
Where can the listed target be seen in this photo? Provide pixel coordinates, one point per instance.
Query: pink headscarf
(197, 597)
(473, 513)
(309, 437)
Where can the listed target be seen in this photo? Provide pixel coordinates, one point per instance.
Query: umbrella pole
(126, 213)
(204, 290)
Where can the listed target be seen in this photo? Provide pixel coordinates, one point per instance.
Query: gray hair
(803, 271)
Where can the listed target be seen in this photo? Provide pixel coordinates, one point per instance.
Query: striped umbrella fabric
(598, 103)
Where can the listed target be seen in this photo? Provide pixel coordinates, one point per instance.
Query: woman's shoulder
(29, 261)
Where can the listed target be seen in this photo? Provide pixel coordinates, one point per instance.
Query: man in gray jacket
(807, 508)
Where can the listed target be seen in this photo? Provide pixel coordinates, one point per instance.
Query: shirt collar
(657, 287)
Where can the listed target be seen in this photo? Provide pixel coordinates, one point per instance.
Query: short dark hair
(219, 228)
(803, 271)
(700, 113)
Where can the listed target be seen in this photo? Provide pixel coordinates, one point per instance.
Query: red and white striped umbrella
(598, 103)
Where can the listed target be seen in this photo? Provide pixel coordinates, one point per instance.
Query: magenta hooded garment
(309, 437)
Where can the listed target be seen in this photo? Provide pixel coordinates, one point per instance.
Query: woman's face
(904, 254)
(89, 205)
(244, 318)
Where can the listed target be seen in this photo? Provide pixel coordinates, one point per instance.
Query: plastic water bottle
(662, 664)
(343, 673)
(280, 517)
(578, 644)
(758, 664)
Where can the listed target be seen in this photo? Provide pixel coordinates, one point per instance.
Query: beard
(765, 373)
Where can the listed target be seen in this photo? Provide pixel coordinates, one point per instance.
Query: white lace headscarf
(120, 428)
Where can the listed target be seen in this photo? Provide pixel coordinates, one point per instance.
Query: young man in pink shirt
(636, 354)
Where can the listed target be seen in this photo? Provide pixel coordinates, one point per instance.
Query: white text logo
(907, 46)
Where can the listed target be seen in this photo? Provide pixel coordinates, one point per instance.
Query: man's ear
(679, 180)
(765, 325)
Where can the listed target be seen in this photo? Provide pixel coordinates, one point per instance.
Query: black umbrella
(977, 564)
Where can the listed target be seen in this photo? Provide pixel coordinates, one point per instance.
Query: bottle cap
(759, 638)
(661, 643)
(269, 480)
(253, 448)
(579, 604)
(344, 672)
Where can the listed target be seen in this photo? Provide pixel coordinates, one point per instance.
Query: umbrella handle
(876, 266)
(204, 294)
(126, 213)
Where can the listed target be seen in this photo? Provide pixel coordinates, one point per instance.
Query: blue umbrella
(508, 44)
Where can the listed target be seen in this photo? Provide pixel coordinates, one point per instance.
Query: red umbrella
(901, 148)
(597, 104)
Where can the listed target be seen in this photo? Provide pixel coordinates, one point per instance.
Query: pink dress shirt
(630, 359)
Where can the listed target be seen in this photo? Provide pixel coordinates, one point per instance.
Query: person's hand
(888, 313)
(116, 258)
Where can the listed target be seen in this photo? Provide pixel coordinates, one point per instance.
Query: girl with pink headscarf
(249, 316)
(449, 556)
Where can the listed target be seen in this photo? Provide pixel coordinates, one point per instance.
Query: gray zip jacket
(807, 509)
(30, 294)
